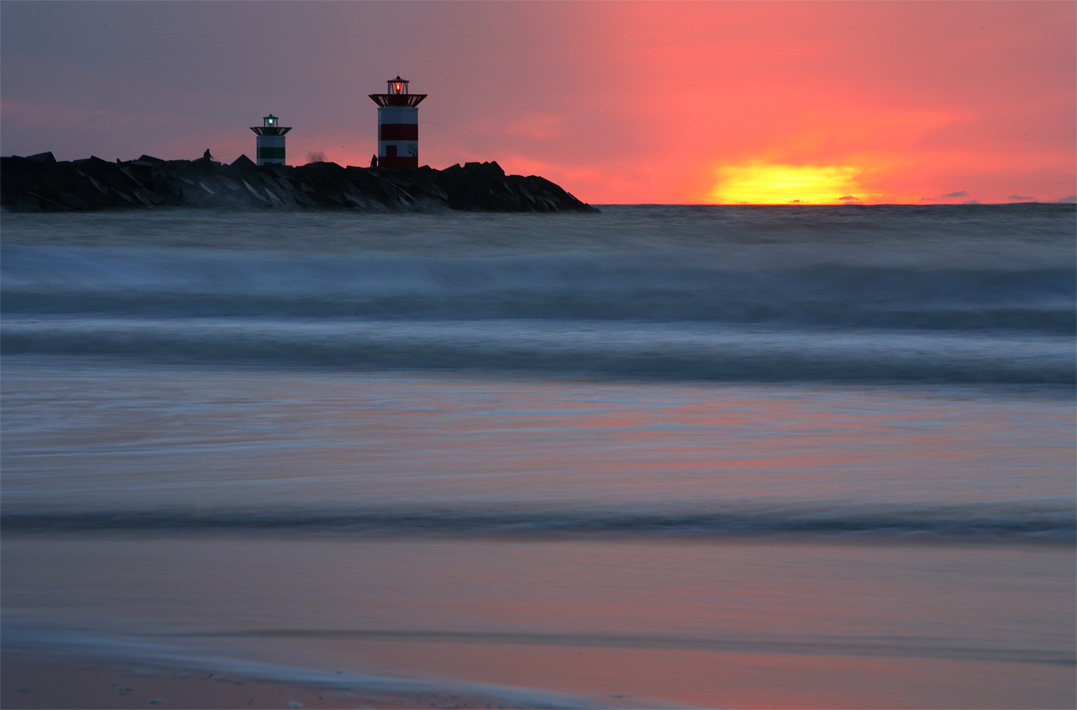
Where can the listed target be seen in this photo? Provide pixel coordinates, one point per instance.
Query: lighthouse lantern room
(398, 125)
(270, 141)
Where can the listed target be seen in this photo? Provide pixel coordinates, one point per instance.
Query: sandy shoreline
(343, 622)
(40, 677)
(35, 680)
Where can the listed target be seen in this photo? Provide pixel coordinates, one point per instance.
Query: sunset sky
(637, 102)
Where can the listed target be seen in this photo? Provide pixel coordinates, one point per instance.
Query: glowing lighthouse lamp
(270, 141)
(398, 125)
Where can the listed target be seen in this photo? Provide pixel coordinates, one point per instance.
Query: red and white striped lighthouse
(398, 125)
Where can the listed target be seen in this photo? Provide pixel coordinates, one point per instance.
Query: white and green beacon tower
(270, 141)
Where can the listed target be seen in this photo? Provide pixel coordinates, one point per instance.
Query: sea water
(704, 456)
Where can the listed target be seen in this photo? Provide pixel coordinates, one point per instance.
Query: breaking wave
(1042, 522)
(873, 295)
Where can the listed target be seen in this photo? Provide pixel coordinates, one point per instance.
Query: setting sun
(759, 183)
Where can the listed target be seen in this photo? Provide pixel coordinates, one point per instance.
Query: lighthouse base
(392, 160)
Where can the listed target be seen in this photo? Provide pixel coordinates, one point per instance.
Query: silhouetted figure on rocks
(374, 161)
(206, 155)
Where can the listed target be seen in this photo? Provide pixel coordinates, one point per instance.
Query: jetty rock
(40, 183)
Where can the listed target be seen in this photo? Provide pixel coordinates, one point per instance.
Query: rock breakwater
(40, 183)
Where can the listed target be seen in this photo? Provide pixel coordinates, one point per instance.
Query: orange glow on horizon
(762, 183)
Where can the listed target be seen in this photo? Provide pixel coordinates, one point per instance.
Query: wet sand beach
(35, 681)
(605, 623)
